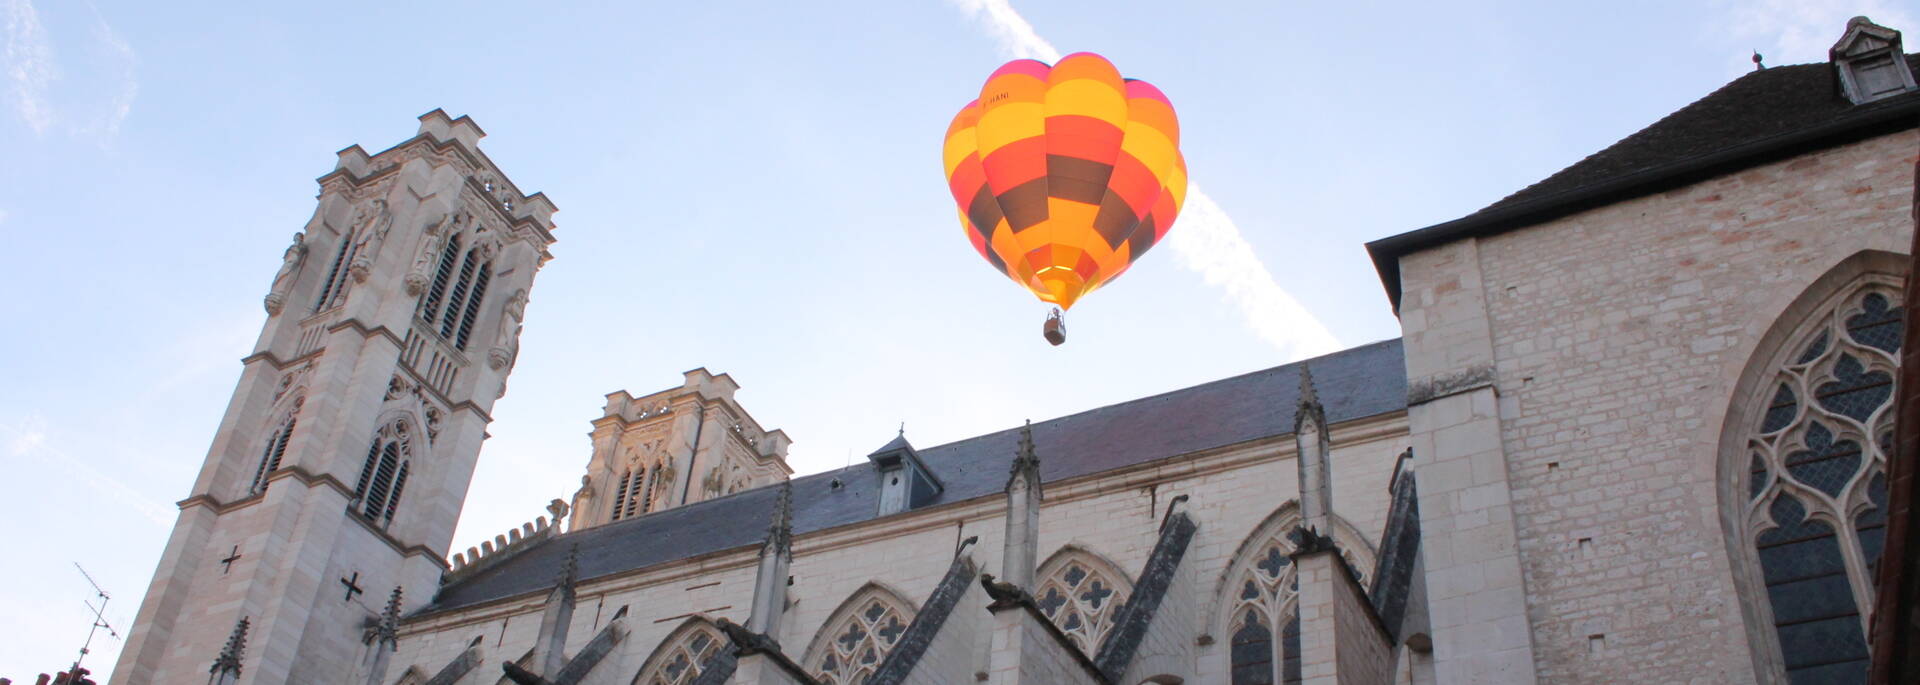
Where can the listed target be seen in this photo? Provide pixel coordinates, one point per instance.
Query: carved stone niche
(1871, 63)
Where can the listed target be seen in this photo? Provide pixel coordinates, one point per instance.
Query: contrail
(1205, 239)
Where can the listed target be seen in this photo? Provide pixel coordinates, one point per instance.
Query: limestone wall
(1615, 337)
(1116, 515)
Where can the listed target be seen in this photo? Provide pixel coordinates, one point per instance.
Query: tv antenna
(99, 616)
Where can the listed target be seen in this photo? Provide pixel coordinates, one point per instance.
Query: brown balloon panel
(1065, 174)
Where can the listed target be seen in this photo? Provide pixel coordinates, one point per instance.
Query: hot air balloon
(1065, 174)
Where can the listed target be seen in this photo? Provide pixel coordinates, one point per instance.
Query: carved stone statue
(371, 224)
(506, 344)
(424, 260)
(290, 262)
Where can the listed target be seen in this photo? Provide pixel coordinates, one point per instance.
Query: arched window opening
(383, 478)
(854, 642)
(620, 495)
(473, 305)
(457, 300)
(442, 278)
(683, 656)
(1816, 453)
(270, 455)
(1267, 594)
(652, 485)
(1082, 593)
(336, 283)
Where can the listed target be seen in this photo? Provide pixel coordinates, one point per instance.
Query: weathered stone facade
(1582, 371)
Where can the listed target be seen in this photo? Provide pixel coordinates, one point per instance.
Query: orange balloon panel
(1065, 174)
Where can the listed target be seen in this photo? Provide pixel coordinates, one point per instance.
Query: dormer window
(905, 481)
(1871, 63)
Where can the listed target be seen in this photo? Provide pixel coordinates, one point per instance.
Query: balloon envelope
(1065, 174)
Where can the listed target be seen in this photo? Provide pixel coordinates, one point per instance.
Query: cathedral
(1636, 429)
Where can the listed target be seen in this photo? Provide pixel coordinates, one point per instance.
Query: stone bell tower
(340, 467)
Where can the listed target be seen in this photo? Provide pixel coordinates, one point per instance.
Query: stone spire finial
(780, 529)
(1309, 406)
(1312, 451)
(1022, 543)
(1026, 464)
(557, 617)
(388, 632)
(569, 573)
(770, 578)
(226, 667)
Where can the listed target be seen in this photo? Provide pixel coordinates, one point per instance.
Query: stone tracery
(1816, 468)
(1081, 592)
(857, 639)
(683, 655)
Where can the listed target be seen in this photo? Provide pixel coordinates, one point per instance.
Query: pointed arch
(1257, 596)
(384, 474)
(858, 635)
(274, 448)
(683, 655)
(1081, 591)
(1801, 469)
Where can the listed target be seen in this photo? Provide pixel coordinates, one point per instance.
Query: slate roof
(1761, 117)
(1364, 381)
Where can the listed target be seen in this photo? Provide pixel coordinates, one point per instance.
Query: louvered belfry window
(336, 283)
(473, 305)
(457, 300)
(383, 478)
(442, 279)
(270, 455)
(1815, 483)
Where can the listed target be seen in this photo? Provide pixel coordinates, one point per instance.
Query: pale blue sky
(754, 188)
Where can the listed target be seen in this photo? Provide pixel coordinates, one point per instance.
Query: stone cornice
(311, 480)
(474, 159)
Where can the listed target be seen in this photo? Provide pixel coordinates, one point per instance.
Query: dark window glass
(1813, 607)
(1856, 392)
(1826, 464)
(1781, 411)
(1290, 643)
(1252, 652)
(1877, 325)
(1871, 525)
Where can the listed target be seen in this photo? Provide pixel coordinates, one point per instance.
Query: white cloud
(29, 64)
(1204, 239)
(1801, 31)
(28, 437)
(1015, 36)
(129, 86)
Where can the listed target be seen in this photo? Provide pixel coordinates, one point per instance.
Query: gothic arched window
(1815, 484)
(376, 494)
(442, 278)
(627, 498)
(336, 284)
(1081, 593)
(463, 301)
(684, 655)
(274, 449)
(1258, 599)
(1266, 594)
(854, 641)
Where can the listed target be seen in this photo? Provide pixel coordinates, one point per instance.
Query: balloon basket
(1055, 329)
